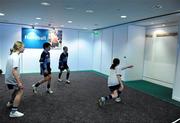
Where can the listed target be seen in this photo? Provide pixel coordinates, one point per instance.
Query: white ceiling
(106, 12)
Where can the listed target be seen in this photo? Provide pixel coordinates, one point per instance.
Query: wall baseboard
(169, 85)
(176, 98)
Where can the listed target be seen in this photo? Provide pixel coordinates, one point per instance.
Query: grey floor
(77, 103)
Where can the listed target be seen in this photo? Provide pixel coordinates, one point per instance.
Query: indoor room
(89, 61)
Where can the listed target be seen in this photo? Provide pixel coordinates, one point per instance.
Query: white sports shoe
(59, 80)
(101, 101)
(67, 81)
(16, 114)
(49, 91)
(118, 99)
(34, 88)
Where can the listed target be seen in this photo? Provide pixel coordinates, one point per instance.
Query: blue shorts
(42, 72)
(10, 87)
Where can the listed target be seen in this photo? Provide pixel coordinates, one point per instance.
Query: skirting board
(176, 98)
(169, 85)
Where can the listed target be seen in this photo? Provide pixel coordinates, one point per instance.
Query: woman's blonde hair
(17, 45)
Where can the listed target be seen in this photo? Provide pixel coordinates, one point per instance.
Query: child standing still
(63, 65)
(13, 80)
(45, 69)
(114, 82)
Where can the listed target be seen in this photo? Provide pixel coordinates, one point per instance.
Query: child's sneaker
(67, 81)
(101, 101)
(34, 88)
(9, 104)
(16, 114)
(59, 80)
(49, 91)
(118, 99)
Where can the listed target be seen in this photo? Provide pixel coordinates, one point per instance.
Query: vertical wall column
(135, 52)
(176, 85)
(120, 41)
(97, 51)
(106, 58)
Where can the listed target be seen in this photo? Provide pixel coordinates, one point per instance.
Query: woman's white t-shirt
(12, 62)
(112, 79)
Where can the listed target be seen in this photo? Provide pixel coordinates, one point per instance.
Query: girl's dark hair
(1, 71)
(116, 62)
(46, 45)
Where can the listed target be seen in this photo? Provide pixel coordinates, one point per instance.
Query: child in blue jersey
(63, 65)
(114, 82)
(45, 69)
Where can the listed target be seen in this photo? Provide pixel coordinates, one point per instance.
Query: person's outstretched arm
(129, 66)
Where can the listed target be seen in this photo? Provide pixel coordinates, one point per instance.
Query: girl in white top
(12, 79)
(114, 82)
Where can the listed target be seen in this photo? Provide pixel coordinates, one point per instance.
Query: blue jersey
(63, 59)
(45, 61)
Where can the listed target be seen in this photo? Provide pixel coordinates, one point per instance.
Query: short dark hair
(1, 71)
(46, 45)
(65, 47)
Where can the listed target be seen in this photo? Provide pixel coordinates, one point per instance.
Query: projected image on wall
(34, 38)
(55, 38)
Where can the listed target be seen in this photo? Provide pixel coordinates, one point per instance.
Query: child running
(45, 69)
(114, 82)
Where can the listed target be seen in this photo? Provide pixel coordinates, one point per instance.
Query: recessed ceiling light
(69, 21)
(45, 4)
(123, 16)
(163, 25)
(85, 28)
(36, 23)
(152, 22)
(89, 11)
(69, 8)
(61, 25)
(158, 6)
(2, 14)
(38, 18)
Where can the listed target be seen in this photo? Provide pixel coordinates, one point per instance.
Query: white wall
(79, 42)
(160, 56)
(176, 85)
(85, 50)
(70, 39)
(97, 50)
(106, 54)
(121, 41)
(9, 34)
(135, 52)
(1, 51)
